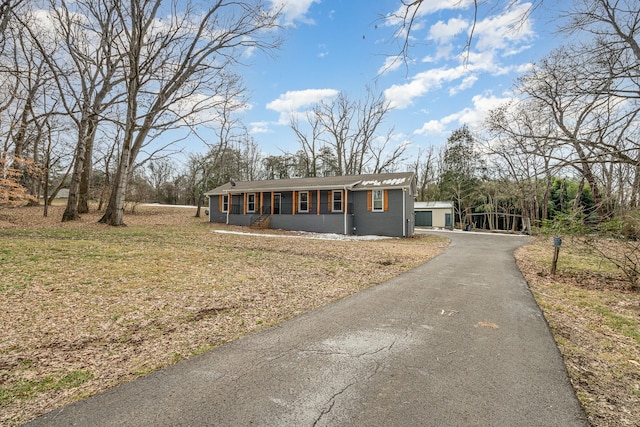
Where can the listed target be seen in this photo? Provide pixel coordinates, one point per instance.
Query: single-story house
(434, 214)
(375, 204)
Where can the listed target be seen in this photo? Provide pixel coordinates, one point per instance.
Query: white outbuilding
(434, 214)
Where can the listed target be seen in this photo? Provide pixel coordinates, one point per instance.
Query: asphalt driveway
(458, 341)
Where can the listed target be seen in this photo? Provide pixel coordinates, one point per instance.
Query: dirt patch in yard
(84, 306)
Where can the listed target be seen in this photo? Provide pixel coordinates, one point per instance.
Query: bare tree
(384, 158)
(347, 133)
(159, 172)
(26, 105)
(310, 144)
(614, 23)
(8, 10)
(168, 65)
(85, 69)
(335, 119)
(525, 153)
(426, 168)
(208, 170)
(407, 18)
(576, 92)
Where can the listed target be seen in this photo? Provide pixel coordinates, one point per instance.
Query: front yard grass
(594, 315)
(84, 306)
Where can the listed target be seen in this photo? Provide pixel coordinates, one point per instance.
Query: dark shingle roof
(353, 182)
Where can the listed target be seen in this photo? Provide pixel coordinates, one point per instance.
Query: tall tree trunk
(635, 188)
(588, 174)
(71, 211)
(87, 171)
(545, 198)
(115, 209)
(578, 200)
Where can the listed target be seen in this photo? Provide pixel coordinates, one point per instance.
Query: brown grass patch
(595, 318)
(84, 306)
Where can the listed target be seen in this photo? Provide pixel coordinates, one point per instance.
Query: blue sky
(344, 45)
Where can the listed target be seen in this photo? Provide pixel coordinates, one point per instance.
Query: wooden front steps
(263, 221)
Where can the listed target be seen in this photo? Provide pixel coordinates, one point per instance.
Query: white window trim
(333, 201)
(225, 201)
(300, 193)
(373, 201)
(254, 202)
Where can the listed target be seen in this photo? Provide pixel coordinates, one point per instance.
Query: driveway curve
(458, 341)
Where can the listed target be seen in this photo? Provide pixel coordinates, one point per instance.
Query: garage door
(424, 218)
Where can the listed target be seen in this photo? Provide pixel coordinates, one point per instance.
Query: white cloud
(401, 96)
(444, 32)
(427, 8)
(391, 63)
(293, 101)
(471, 116)
(482, 105)
(294, 10)
(431, 127)
(498, 32)
(259, 127)
(323, 50)
(467, 83)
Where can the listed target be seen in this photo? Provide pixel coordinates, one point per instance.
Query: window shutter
(294, 202)
(220, 203)
(310, 206)
(369, 198)
(386, 200)
(345, 204)
(330, 200)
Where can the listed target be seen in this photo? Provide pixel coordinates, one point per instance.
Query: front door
(277, 198)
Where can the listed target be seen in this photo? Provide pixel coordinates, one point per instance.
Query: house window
(378, 200)
(303, 201)
(225, 203)
(336, 201)
(251, 202)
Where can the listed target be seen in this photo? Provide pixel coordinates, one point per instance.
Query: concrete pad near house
(458, 341)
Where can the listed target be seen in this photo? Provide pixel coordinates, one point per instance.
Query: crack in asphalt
(331, 404)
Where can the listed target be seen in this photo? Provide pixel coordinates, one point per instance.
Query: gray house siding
(332, 223)
(387, 223)
(214, 210)
(358, 220)
(326, 222)
(279, 199)
(410, 220)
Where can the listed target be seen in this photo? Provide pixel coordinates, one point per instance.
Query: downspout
(404, 212)
(346, 203)
(346, 207)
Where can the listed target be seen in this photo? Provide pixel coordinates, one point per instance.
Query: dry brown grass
(84, 307)
(595, 319)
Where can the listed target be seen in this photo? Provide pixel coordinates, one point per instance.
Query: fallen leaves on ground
(85, 307)
(594, 316)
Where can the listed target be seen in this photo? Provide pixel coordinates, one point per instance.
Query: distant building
(63, 194)
(434, 214)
